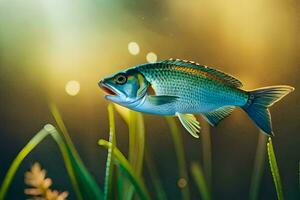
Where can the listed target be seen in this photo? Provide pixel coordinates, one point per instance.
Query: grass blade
(159, 190)
(124, 112)
(84, 184)
(78, 174)
(136, 141)
(18, 160)
(177, 139)
(68, 162)
(200, 181)
(135, 123)
(259, 166)
(125, 167)
(274, 170)
(139, 142)
(206, 150)
(136, 127)
(110, 157)
(119, 180)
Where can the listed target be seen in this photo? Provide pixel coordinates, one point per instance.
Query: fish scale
(197, 93)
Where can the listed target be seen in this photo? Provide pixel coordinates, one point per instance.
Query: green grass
(154, 175)
(200, 181)
(108, 184)
(206, 150)
(83, 183)
(124, 176)
(136, 134)
(179, 150)
(18, 160)
(259, 165)
(135, 123)
(274, 170)
(127, 169)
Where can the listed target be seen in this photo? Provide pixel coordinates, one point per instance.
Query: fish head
(125, 88)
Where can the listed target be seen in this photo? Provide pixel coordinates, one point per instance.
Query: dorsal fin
(228, 79)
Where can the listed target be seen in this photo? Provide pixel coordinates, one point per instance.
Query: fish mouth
(107, 89)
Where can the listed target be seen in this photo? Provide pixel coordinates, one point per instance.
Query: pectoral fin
(161, 99)
(190, 123)
(216, 116)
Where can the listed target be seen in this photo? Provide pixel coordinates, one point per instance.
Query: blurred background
(57, 50)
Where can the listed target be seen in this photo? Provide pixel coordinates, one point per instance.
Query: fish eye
(121, 79)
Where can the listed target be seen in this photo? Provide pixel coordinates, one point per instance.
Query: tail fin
(258, 102)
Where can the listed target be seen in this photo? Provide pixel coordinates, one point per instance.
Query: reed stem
(206, 151)
(259, 166)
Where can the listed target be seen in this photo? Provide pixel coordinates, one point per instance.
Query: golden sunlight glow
(72, 88)
(133, 48)
(151, 57)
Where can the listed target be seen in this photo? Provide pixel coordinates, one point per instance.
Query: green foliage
(123, 177)
(206, 150)
(135, 123)
(127, 169)
(159, 190)
(274, 170)
(78, 174)
(199, 179)
(83, 183)
(259, 166)
(179, 149)
(18, 160)
(110, 156)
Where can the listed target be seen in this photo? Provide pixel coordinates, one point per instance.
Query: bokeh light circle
(72, 88)
(181, 183)
(133, 48)
(151, 57)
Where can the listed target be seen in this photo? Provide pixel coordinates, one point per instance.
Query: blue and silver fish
(182, 88)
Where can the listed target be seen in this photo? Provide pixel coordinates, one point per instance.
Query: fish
(183, 88)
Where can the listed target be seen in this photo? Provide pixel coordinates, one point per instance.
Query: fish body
(183, 88)
(196, 92)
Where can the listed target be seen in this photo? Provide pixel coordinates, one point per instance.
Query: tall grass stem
(275, 170)
(179, 149)
(18, 160)
(127, 169)
(150, 164)
(206, 151)
(259, 166)
(84, 185)
(200, 181)
(108, 186)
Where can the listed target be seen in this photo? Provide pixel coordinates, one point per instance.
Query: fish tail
(260, 100)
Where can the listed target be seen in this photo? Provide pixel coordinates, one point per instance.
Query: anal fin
(190, 123)
(217, 115)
